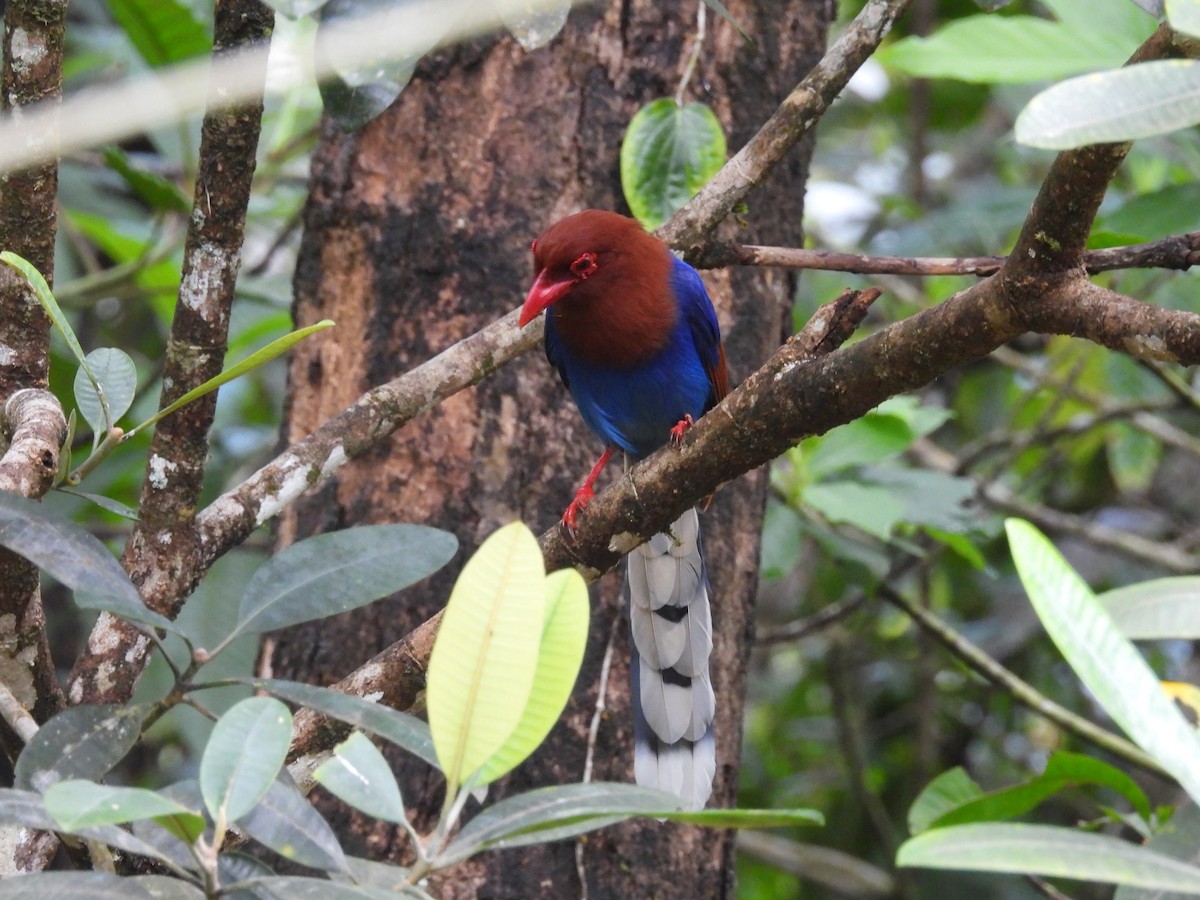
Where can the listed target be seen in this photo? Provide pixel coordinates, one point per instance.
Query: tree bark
(417, 234)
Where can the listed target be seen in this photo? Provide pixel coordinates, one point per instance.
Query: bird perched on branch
(634, 337)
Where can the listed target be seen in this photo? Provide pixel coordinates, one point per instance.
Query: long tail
(673, 703)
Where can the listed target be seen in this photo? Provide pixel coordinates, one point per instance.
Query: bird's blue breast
(635, 407)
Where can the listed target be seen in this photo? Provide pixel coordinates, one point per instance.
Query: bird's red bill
(545, 291)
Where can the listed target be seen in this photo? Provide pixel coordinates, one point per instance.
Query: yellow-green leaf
(482, 665)
(564, 637)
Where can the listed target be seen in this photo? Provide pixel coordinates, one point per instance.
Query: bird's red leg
(680, 428)
(584, 495)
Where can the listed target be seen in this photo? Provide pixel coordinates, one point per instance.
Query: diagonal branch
(688, 230)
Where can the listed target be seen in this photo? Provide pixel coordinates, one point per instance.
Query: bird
(634, 337)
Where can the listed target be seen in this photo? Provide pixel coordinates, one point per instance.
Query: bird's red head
(580, 248)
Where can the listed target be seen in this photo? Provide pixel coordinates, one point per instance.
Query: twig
(810, 625)
(1174, 252)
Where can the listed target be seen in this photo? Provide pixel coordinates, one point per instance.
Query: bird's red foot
(680, 429)
(582, 498)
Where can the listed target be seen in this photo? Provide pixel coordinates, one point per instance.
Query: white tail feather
(673, 699)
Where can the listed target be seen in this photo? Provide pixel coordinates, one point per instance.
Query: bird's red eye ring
(584, 266)
(533, 246)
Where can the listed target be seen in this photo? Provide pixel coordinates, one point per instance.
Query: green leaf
(79, 742)
(948, 791)
(1010, 50)
(1184, 15)
(117, 377)
(72, 886)
(869, 507)
(483, 661)
(1122, 105)
(1047, 850)
(563, 811)
(564, 638)
(1103, 659)
(668, 154)
(392, 725)
(339, 571)
(1160, 609)
(243, 756)
(251, 362)
(162, 31)
(80, 803)
(872, 438)
(287, 823)
(73, 558)
(954, 804)
(934, 499)
(359, 775)
(1133, 456)
(26, 808)
(1169, 210)
(537, 24)
(158, 193)
(960, 544)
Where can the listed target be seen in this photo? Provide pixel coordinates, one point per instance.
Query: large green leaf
(400, 728)
(1102, 657)
(1011, 49)
(79, 803)
(669, 152)
(1121, 105)
(563, 811)
(483, 661)
(564, 637)
(1050, 851)
(1160, 609)
(291, 826)
(339, 571)
(296, 887)
(243, 756)
(359, 775)
(872, 438)
(79, 742)
(163, 31)
(117, 376)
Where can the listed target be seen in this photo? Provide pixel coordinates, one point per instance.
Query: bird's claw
(680, 428)
(582, 498)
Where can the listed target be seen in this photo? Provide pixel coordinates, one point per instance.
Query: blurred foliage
(853, 711)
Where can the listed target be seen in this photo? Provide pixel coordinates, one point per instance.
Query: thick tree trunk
(417, 233)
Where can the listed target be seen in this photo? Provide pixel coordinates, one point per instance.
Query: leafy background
(854, 711)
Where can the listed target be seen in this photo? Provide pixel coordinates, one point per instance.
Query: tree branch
(33, 421)
(164, 539)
